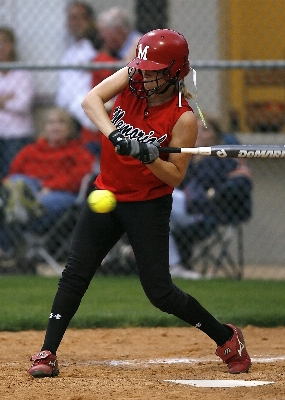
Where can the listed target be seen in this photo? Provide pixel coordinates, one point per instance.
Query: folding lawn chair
(222, 253)
(52, 246)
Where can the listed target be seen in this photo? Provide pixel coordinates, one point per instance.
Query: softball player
(150, 110)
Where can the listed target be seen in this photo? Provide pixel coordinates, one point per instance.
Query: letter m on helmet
(142, 53)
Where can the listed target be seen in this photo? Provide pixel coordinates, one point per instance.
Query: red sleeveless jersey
(126, 177)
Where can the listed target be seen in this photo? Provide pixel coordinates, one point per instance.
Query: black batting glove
(119, 141)
(116, 137)
(123, 146)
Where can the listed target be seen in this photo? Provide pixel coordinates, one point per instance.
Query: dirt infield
(135, 364)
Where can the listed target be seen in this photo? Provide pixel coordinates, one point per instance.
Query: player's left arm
(184, 134)
(95, 100)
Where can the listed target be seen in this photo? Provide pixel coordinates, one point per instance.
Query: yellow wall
(255, 30)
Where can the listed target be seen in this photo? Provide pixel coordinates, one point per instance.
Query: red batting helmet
(163, 49)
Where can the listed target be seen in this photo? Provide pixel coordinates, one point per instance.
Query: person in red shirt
(150, 111)
(51, 168)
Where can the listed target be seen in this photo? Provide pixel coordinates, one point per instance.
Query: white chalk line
(224, 383)
(157, 361)
(169, 361)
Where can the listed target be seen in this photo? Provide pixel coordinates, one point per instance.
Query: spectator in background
(45, 176)
(90, 135)
(74, 84)
(117, 33)
(119, 41)
(16, 101)
(214, 191)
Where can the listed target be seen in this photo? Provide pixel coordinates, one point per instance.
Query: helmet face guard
(162, 50)
(137, 85)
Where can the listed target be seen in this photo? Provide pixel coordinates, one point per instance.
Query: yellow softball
(101, 201)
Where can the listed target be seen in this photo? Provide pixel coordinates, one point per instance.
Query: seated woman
(215, 191)
(45, 176)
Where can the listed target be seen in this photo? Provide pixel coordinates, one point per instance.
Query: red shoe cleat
(44, 365)
(234, 353)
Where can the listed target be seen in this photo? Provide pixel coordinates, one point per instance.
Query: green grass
(120, 302)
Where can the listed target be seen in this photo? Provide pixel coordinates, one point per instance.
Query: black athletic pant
(147, 226)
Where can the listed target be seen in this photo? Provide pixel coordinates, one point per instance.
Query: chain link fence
(240, 80)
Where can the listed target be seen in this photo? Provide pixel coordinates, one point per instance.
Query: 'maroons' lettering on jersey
(130, 132)
(142, 53)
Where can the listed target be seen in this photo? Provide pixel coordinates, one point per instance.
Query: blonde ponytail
(185, 92)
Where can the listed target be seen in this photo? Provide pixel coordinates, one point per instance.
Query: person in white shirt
(16, 101)
(73, 84)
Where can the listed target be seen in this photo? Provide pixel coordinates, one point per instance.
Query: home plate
(218, 383)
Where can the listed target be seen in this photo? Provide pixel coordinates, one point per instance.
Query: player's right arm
(93, 104)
